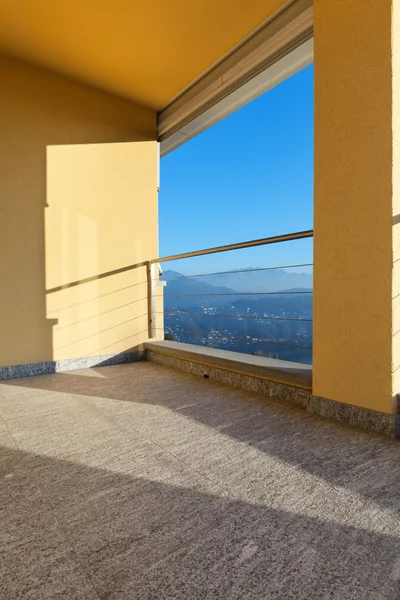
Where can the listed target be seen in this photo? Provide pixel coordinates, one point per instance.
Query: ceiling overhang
(275, 51)
(146, 52)
(191, 62)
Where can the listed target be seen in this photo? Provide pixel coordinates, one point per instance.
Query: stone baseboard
(371, 420)
(72, 364)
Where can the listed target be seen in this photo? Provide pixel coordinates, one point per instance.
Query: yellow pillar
(396, 198)
(357, 230)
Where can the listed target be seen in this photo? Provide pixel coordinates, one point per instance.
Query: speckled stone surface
(141, 482)
(261, 386)
(359, 417)
(58, 366)
(371, 420)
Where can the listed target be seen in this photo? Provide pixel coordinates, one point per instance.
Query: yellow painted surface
(101, 216)
(77, 199)
(146, 52)
(396, 197)
(353, 260)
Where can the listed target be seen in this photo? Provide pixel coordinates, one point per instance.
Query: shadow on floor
(146, 397)
(70, 530)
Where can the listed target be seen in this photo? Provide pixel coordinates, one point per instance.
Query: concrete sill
(271, 369)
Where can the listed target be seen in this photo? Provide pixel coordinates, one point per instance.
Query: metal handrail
(300, 235)
(245, 294)
(152, 266)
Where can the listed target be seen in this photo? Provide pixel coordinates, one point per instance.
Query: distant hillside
(186, 292)
(261, 281)
(170, 275)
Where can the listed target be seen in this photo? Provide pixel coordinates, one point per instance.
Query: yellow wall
(396, 196)
(61, 165)
(352, 360)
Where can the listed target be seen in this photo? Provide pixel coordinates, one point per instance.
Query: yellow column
(396, 198)
(356, 350)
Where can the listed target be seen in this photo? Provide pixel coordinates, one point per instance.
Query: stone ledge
(271, 369)
(242, 371)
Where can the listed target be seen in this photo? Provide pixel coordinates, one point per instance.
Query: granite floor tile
(93, 445)
(126, 528)
(17, 401)
(41, 567)
(69, 414)
(36, 561)
(139, 482)
(271, 554)
(6, 440)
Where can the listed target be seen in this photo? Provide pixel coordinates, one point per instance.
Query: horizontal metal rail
(288, 237)
(185, 314)
(239, 271)
(243, 339)
(243, 294)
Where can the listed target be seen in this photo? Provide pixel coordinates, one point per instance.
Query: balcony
(140, 481)
(145, 315)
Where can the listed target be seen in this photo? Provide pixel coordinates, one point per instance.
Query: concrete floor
(140, 482)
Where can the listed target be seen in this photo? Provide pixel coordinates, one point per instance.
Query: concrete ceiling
(144, 51)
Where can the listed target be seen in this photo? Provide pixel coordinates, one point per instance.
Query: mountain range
(189, 292)
(251, 280)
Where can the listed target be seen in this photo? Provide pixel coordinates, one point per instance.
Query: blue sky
(249, 176)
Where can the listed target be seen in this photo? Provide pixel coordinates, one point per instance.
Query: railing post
(151, 299)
